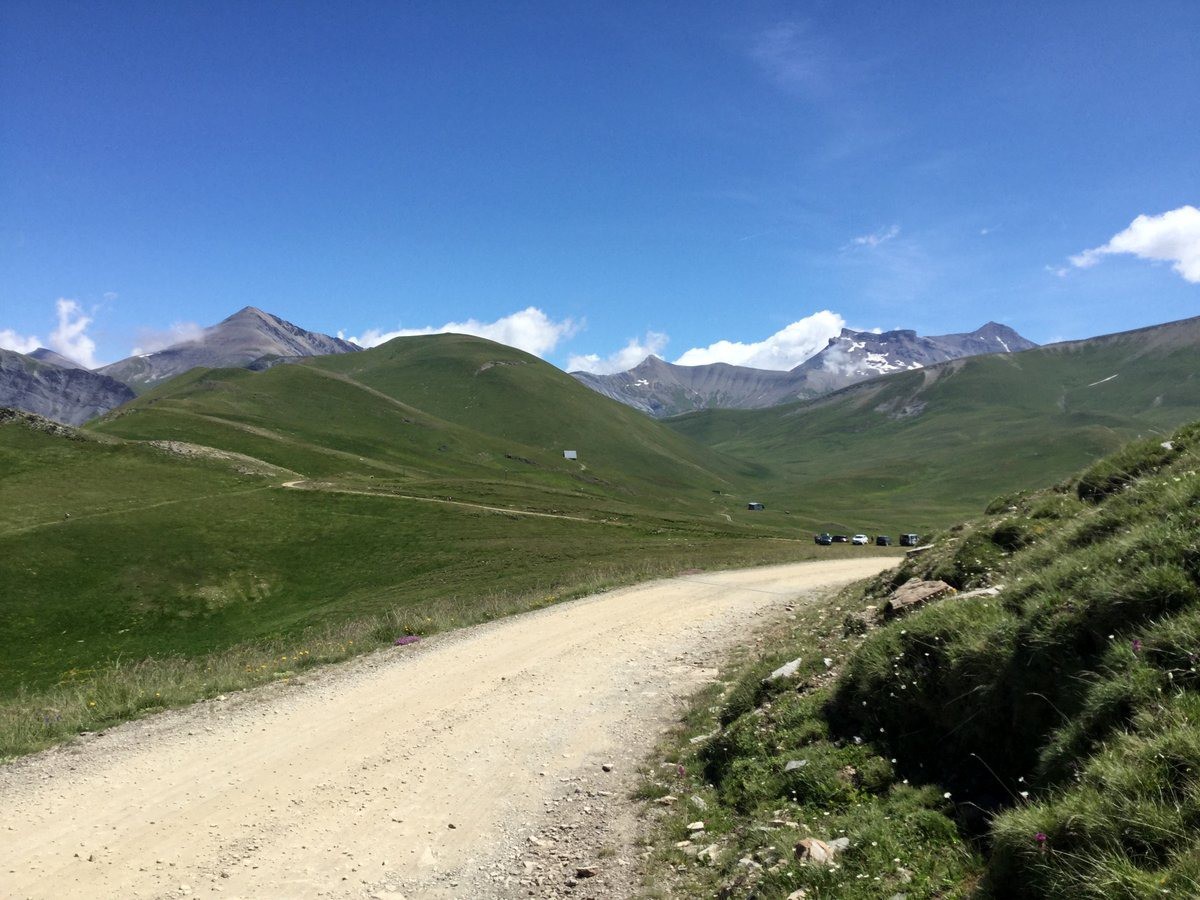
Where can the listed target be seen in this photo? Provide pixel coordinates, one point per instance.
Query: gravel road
(491, 762)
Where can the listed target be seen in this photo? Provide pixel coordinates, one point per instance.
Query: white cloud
(10, 340)
(783, 350)
(152, 339)
(626, 358)
(70, 337)
(875, 238)
(529, 329)
(1172, 237)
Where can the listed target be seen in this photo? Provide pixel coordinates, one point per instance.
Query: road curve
(409, 772)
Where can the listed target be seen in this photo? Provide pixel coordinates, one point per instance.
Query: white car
(860, 539)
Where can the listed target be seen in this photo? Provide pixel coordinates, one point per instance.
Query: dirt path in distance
(468, 765)
(299, 484)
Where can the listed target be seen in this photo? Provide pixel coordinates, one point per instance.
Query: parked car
(824, 539)
(840, 539)
(883, 540)
(909, 540)
(860, 540)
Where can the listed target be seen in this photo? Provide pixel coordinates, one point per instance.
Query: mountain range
(958, 433)
(50, 385)
(663, 389)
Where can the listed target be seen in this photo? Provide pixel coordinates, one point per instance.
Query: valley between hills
(243, 525)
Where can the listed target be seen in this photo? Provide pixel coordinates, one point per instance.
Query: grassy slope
(164, 556)
(1058, 722)
(986, 425)
(444, 415)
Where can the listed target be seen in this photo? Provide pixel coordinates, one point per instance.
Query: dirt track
(429, 770)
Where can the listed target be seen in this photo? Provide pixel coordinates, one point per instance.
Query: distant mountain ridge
(71, 395)
(961, 432)
(238, 341)
(661, 389)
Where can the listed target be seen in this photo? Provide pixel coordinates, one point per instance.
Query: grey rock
(820, 853)
(982, 592)
(787, 670)
(794, 764)
(710, 854)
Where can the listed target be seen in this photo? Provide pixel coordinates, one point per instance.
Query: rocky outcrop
(913, 594)
(72, 396)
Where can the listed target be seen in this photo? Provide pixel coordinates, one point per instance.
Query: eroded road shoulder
(421, 771)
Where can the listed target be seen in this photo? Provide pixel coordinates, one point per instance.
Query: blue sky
(586, 179)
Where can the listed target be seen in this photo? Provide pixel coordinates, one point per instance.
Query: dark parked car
(909, 540)
(883, 541)
(824, 539)
(840, 539)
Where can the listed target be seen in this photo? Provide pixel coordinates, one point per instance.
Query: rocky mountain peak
(45, 355)
(236, 341)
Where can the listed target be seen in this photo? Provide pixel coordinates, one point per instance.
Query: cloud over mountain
(151, 340)
(529, 329)
(626, 358)
(783, 350)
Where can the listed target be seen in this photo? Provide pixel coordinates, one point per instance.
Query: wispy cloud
(152, 339)
(627, 357)
(875, 238)
(783, 350)
(796, 57)
(1172, 237)
(529, 329)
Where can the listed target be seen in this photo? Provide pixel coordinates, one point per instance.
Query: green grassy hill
(921, 449)
(1041, 740)
(444, 415)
